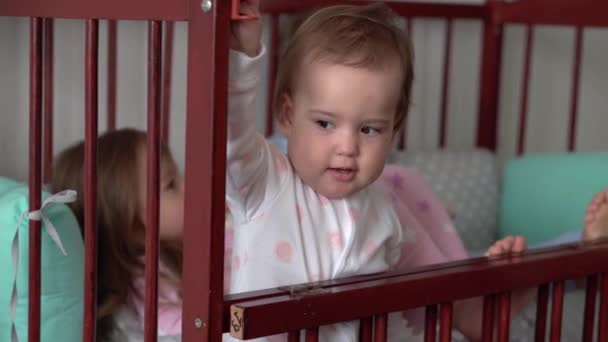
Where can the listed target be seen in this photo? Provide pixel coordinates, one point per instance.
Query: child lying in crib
(121, 203)
(343, 91)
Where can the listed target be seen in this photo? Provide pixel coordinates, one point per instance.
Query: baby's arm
(249, 158)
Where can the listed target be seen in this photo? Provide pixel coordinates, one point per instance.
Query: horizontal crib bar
(402, 8)
(90, 9)
(263, 316)
(551, 12)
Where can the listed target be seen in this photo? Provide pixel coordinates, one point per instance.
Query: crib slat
(523, 113)
(489, 82)
(557, 307)
(90, 178)
(48, 99)
(365, 329)
(541, 312)
(312, 335)
(167, 78)
(445, 90)
(487, 331)
(576, 77)
(504, 312)
(272, 71)
(430, 324)
(293, 336)
(590, 297)
(403, 134)
(603, 319)
(410, 28)
(380, 327)
(35, 136)
(111, 82)
(153, 180)
(445, 322)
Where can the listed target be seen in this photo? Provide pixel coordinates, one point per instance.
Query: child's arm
(468, 314)
(249, 158)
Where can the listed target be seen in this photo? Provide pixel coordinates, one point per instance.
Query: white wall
(550, 87)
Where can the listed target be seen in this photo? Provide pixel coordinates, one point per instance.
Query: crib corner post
(207, 84)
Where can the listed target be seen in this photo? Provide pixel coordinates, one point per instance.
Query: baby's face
(339, 125)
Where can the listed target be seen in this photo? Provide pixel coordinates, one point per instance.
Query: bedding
(546, 195)
(467, 183)
(61, 273)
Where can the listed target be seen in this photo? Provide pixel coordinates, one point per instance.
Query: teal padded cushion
(61, 278)
(546, 195)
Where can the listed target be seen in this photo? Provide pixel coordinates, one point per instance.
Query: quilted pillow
(547, 195)
(467, 183)
(61, 274)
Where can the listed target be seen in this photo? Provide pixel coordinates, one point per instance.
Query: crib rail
(308, 307)
(404, 8)
(206, 314)
(88, 9)
(552, 12)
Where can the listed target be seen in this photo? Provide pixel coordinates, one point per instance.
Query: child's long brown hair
(121, 237)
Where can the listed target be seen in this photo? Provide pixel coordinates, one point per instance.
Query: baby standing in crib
(343, 91)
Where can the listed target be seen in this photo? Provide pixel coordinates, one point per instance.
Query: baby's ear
(285, 115)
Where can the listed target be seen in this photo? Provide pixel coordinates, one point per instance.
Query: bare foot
(596, 220)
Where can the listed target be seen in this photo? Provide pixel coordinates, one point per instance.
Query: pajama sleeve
(251, 161)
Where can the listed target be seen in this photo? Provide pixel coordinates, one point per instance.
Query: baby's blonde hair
(361, 36)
